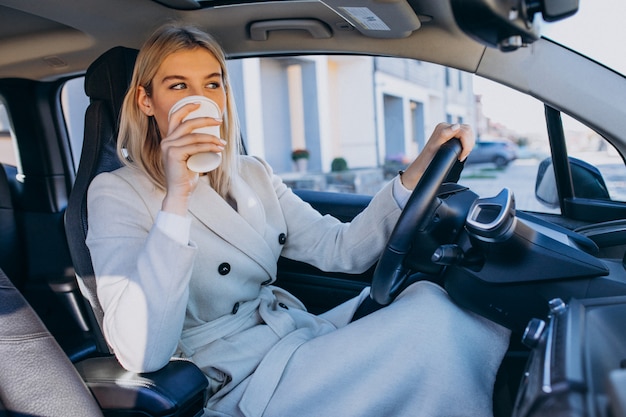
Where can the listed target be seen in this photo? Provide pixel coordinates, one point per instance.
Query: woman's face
(181, 74)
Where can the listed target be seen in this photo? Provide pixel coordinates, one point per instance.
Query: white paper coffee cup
(206, 161)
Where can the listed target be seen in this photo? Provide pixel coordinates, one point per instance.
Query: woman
(185, 262)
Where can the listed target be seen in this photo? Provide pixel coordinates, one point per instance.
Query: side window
(349, 123)
(74, 102)
(344, 123)
(511, 143)
(600, 171)
(8, 150)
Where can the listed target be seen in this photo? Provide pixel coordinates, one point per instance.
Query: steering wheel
(390, 273)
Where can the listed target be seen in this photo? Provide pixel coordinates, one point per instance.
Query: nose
(195, 91)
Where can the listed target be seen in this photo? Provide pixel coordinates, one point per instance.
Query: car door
(318, 290)
(37, 159)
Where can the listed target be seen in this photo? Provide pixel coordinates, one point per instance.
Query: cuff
(174, 226)
(400, 193)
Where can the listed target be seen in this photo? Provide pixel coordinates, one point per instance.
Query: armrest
(177, 390)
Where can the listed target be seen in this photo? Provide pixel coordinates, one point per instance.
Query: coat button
(235, 308)
(224, 268)
(282, 238)
(283, 305)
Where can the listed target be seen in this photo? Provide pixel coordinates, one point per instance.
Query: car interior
(558, 281)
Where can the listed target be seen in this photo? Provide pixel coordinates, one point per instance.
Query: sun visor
(390, 19)
(377, 18)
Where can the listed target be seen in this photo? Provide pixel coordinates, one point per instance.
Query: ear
(144, 101)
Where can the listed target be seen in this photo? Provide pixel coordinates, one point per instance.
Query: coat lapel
(243, 228)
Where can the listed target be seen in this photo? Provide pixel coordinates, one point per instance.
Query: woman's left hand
(443, 132)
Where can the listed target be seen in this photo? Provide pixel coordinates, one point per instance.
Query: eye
(178, 86)
(214, 85)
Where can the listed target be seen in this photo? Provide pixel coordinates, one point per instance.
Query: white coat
(212, 300)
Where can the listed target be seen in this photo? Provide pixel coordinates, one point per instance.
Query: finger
(200, 122)
(176, 118)
(186, 133)
(181, 150)
(197, 125)
(190, 139)
(465, 134)
(205, 143)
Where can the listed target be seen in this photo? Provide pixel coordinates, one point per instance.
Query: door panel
(319, 290)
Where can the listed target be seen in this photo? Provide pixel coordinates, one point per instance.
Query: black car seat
(10, 242)
(106, 82)
(36, 377)
(179, 389)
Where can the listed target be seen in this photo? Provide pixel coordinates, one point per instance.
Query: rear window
(74, 103)
(8, 151)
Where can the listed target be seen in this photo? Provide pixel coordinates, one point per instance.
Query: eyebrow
(182, 77)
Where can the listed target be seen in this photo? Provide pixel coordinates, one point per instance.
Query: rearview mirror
(587, 180)
(508, 24)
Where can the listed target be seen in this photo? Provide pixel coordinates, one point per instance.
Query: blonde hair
(138, 143)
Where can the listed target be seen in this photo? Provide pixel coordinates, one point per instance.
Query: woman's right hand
(442, 133)
(176, 148)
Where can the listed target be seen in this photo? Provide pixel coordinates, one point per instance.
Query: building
(369, 111)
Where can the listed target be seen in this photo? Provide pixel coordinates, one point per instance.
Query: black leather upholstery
(36, 377)
(180, 388)
(10, 243)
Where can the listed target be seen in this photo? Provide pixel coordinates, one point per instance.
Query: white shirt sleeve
(400, 193)
(175, 226)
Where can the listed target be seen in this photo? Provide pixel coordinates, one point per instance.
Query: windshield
(597, 30)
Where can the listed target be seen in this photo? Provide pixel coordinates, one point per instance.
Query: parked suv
(498, 152)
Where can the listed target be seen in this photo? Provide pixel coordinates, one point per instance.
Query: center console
(578, 362)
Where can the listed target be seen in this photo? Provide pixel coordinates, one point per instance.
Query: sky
(597, 30)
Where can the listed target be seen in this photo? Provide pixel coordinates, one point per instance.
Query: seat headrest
(108, 77)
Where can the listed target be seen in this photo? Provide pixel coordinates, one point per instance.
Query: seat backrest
(36, 377)
(106, 82)
(11, 260)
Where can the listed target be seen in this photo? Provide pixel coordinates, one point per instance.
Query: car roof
(44, 40)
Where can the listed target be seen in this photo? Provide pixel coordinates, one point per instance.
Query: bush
(299, 154)
(338, 165)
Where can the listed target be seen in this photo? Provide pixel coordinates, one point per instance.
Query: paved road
(484, 179)
(487, 181)
(520, 177)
